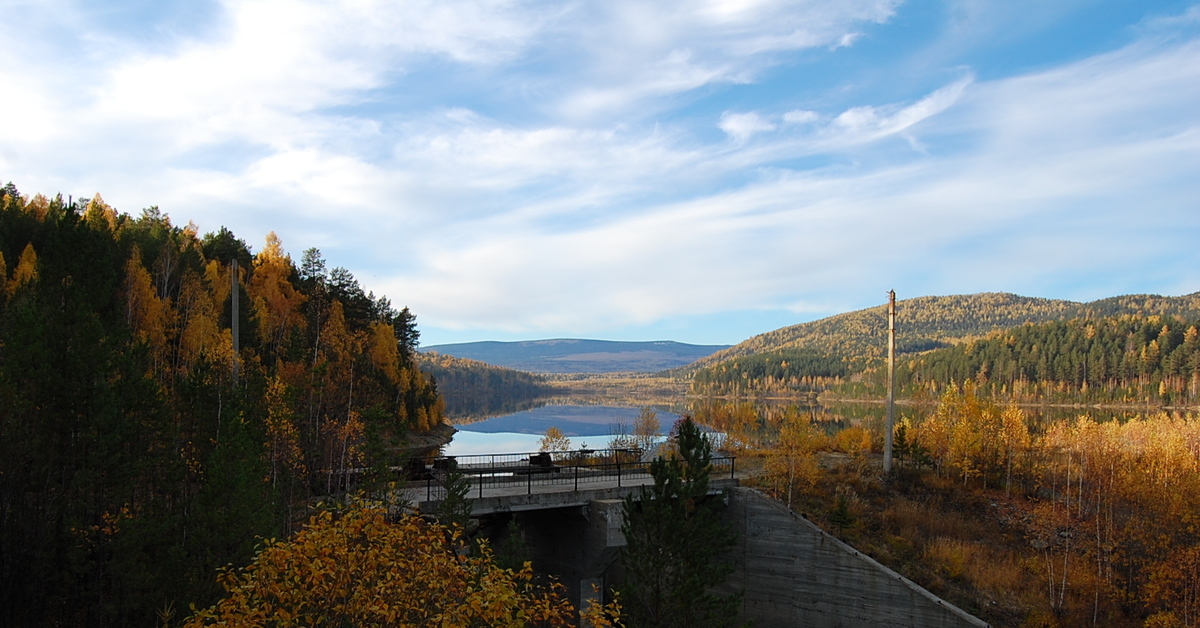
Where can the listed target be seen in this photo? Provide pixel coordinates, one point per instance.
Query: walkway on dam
(542, 480)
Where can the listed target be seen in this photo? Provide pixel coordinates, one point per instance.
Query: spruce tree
(675, 543)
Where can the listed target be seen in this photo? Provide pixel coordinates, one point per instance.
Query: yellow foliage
(216, 276)
(554, 440)
(39, 206)
(283, 437)
(337, 345)
(357, 569)
(199, 334)
(276, 302)
(26, 270)
(973, 437)
(100, 213)
(853, 440)
(1175, 584)
(148, 316)
(384, 352)
(791, 465)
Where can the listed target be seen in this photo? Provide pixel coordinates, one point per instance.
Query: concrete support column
(578, 545)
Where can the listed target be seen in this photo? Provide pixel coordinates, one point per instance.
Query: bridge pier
(578, 545)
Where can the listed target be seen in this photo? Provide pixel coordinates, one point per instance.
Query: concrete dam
(792, 572)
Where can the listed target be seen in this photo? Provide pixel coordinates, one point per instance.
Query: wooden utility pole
(891, 391)
(233, 316)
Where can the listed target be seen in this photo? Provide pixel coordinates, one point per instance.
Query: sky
(691, 170)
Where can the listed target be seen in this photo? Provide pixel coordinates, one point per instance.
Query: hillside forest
(472, 389)
(144, 445)
(1123, 350)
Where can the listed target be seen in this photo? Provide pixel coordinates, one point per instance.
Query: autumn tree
(554, 441)
(26, 271)
(131, 465)
(354, 568)
(791, 463)
(148, 315)
(646, 428)
(276, 301)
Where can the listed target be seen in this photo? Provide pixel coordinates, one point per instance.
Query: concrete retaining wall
(795, 574)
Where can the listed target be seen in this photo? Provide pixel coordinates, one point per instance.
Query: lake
(520, 432)
(593, 426)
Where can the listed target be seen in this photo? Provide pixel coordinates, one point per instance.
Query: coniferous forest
(136, 461)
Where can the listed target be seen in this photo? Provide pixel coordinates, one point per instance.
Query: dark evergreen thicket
(785, 369)
(1112, 359)
(676, 543)
(132, 466)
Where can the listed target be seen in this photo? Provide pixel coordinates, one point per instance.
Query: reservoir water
(594, 426)
(587, 426)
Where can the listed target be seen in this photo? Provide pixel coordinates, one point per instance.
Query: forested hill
(926, 323)
(472, 389)
(133, 464)
(580, 356)
(1113, 359)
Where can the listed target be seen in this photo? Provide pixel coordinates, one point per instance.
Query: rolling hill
(925, 323)
(580, 356)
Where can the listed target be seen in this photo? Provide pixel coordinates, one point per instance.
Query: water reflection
(586, 425)
(573, 420)
(594, 426)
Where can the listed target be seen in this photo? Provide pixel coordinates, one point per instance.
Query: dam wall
(793, 573)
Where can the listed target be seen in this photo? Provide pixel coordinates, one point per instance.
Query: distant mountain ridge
(569, 355)
(930, 322)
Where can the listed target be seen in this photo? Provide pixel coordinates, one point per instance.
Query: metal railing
(567, 470)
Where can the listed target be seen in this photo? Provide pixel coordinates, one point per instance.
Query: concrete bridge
(569, 507)
(507, 483)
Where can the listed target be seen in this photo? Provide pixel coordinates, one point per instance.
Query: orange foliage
(854, 441)
(357, 569)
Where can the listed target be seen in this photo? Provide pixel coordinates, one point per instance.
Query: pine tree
(675, 541)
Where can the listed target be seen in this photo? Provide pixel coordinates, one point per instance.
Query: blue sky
(692, 170)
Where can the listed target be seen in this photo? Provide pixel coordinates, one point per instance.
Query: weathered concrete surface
(577, 545)
(795, 574)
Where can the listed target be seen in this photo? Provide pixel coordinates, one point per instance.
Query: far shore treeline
(132, 465)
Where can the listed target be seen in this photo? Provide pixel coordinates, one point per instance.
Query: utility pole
(891, 391)
(233, 316)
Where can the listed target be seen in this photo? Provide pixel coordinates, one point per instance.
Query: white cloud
(553, 174)
(800, 116)
(634, 53)
(825, 232)
(868, 122)
(741, 126)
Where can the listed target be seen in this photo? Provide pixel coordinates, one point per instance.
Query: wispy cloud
(548, 168)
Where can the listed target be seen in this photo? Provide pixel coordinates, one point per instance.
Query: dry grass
(965, 545)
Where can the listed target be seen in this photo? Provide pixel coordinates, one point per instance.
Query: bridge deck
(535, 481)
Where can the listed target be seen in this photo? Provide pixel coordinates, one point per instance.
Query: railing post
(618, 473)
(576, 477)
(529, 481)
(479, 481)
